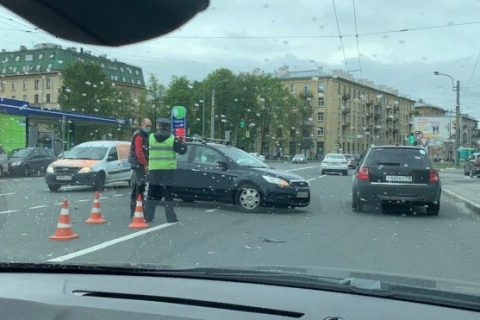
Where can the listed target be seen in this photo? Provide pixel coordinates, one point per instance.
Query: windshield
(87, 153)
(244, 159)
(22, 153)
(313, 137)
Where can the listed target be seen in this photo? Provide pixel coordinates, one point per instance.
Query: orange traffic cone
(138, 220)
(96, 214)
(64, 228)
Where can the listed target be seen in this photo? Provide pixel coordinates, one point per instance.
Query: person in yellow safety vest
(162, 164)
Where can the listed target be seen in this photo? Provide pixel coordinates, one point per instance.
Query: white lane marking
(58, 203)
(109, 243)
(211, 210)
(311, 179)
(118, 195)
(38, 207)
(323, 176)
(8, 194)
(102, 197)
(304, 168)
(8, 211)
(83, 200)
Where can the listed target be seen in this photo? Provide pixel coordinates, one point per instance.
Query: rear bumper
(398, 193)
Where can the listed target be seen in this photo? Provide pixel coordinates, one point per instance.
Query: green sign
(242, 123)
(411, 138)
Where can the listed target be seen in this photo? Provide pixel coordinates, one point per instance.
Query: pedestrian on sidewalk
(138, 159)
(162, 164)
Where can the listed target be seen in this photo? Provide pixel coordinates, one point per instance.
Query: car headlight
(16, 163)
(85, 170)
(49, 169)
(280, 182)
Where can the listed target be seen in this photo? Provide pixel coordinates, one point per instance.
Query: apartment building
(347, 115)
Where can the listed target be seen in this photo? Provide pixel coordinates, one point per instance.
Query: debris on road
(273, 240)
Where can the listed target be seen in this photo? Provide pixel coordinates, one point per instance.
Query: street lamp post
(203, 117)
(457, 115)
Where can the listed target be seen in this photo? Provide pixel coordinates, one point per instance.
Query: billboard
(434, 131)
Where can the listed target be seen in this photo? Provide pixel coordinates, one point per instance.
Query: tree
(151, 101)
(87, 89)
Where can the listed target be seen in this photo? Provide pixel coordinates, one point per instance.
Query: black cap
(164, 121)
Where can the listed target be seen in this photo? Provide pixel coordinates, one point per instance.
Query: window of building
(29, 57)
(24, 84)
(137, 72)
(24, 97)
(48, 83)
(52, 55)
(40, 56)
(2, 86)
(123, 79)
(14, 69)
(139, 82)
(13, 97)
(121, 69)
(37, 68)
(292, 88)
(320, 131)
(17, 58)
(13, 85)
(306, 88)
(48, 98)
(321, 88)
(321, 101)
(36, 99)
(4, 70)
(320, 116)
(49, 67)
(6, 60)
(36, 84)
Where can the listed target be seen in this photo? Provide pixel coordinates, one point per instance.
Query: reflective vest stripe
(161, 155)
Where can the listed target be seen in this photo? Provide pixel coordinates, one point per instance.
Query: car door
(183, 175)
(35, 160)
(113, 166)
(211, 181)
(125, 172)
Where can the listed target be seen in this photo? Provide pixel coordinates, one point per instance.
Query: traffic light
(411, 138)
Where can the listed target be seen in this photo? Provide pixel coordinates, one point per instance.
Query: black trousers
(139, 182)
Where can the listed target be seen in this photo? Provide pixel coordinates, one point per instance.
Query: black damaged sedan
(215, 172)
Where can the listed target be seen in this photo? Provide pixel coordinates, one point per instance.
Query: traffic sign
(179, 121)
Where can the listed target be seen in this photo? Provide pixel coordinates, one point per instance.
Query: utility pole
(457, 126)
(212, 115)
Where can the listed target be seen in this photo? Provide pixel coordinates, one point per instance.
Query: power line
(473, 71)
(356, 38)
(340, 36)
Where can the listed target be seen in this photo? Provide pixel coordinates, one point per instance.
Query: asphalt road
(326, 234)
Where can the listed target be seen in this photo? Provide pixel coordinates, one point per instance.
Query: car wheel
(433, 208)
(26, 171)
(323, 172)
(465, 172)
(249, 198)
(54, 187)
(99, 183)
(470, 173)
(358, 204)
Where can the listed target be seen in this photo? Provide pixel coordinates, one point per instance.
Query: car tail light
(362, 174)
(434, 177)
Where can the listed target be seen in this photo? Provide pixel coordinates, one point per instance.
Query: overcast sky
(244, 35)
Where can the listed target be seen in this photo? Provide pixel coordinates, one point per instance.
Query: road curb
(470, 204)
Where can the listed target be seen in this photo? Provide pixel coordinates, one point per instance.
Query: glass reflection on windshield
(87, 153)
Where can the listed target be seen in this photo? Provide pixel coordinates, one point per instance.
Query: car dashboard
(98, 296)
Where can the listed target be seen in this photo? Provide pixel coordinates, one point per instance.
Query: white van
(92, 163)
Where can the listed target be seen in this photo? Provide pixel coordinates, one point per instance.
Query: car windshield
(313, 137)
(243, 159)
(86, 153)
(22, 153)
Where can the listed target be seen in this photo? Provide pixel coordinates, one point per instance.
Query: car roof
(102, 143)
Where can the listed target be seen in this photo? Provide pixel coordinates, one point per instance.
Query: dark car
(392, 174)
(214, 172)
(28, 161)
(472, 165)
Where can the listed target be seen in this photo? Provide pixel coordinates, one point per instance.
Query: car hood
(75, 163)
(277, 173)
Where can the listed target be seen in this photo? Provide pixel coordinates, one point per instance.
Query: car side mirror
(222, 165)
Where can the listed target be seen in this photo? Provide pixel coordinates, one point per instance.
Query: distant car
(393, 174)
(299, 158)
(91, 163)
(258, 156)
(472, 165)
(3, 162)
(352, 163)
(28, 161)
(334, 162)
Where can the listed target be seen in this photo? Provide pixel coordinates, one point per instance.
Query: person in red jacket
(138, 159)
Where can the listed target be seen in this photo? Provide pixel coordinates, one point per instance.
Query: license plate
(64, 178)
(398, 178)
(302, 195)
